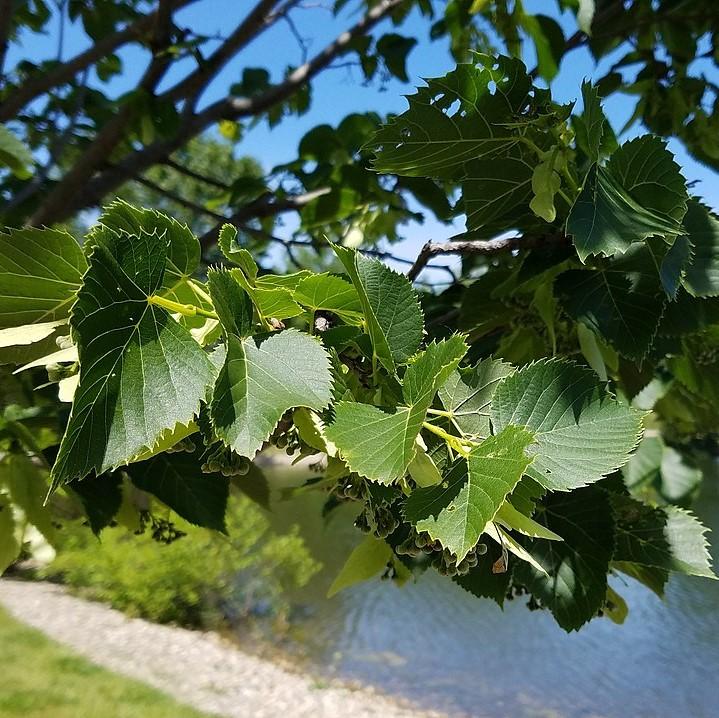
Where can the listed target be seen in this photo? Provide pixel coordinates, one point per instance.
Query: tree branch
(236, 107)
(56, 203)
(258, 19)
(5, 24)
(195, 175)
(189, 204)
(66, 71)
(482, 247)
(260, 208)
(79, 191)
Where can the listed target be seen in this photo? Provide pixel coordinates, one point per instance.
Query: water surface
(443, 648)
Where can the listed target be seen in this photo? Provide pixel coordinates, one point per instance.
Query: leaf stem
(453, 441)
(187, 310)
(440, 412)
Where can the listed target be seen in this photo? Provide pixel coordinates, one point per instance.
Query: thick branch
(235, 107)
(85, 192)
(5, 23)
(66, 71)
(57, 201)
(485, 247)
(258, 19)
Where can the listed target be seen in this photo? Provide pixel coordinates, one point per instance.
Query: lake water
(443, 648)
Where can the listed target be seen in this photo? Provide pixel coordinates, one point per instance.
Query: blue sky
(340, 91)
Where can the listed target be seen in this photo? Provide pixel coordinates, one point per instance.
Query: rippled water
(443, 648)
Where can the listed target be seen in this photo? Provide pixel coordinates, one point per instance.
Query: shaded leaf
(40, 273)
(177, 480)
(366, 561)
(639, 194)
(576, 584)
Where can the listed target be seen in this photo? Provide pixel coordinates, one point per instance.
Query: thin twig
(65, 72)
(196, 175)
(483, 247)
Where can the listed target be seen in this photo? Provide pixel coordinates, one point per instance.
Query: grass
(41, 679)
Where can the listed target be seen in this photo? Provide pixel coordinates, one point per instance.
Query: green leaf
(622, 302)
(548, 40)
(141, 372)
(101, 498)
(366, 561)
(9, 546)
(657, 471)
(380, 445)
(231, 302)
(15, 155)
(181, 258)
(457, 512)
(668, 538)
(271, 301)
(493, 189)
(615, 607)
(589, 126)
(328, 292)
(176, 479)
(575, 586)
(258, 383)
(234, 253)
(28, 487)
(40, 273)
(639, 194)
(422, 469)
(393, 49)
(182, 254)
(702, 275)
(468, 393)
(582, 433)
(28, 333)
(653, 578)
(454, 119)
(392, 312)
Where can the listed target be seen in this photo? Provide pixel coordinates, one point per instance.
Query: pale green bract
(141, 372)
(582, 433)
(457, 512)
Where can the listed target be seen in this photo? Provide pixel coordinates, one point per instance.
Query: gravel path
(199, 669)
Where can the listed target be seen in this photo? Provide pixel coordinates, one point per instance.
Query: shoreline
(200, 668)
